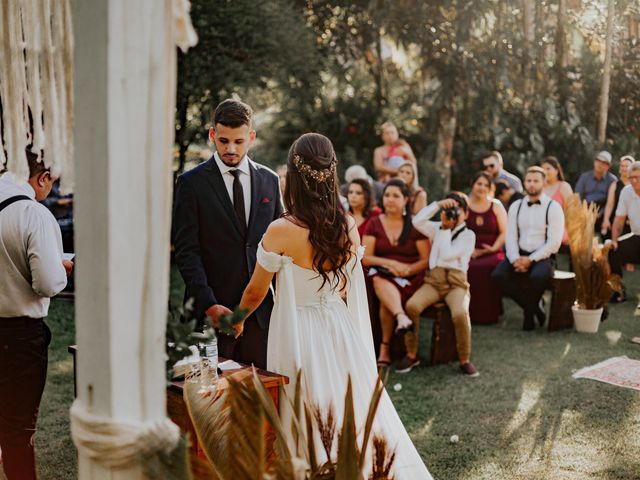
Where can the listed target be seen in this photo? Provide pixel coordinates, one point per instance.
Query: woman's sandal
(384, 363)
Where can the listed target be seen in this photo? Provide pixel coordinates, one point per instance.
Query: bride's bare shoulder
(281, 233)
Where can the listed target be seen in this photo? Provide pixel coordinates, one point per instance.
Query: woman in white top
(314, 252)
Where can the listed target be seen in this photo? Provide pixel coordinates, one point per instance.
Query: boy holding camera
(452, 244)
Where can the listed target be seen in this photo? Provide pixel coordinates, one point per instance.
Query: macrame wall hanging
(36, 86)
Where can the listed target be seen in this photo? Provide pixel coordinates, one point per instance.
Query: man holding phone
(32, 270)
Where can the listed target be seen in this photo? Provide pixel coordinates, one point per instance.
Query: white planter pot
(586, 321)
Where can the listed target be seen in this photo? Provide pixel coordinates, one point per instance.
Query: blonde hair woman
(409, 174)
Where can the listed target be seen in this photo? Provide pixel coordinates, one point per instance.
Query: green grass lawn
(523, 418)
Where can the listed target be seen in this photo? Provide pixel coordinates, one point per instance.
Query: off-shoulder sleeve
(271, 262)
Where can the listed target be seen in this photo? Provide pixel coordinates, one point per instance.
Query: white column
(124, 103)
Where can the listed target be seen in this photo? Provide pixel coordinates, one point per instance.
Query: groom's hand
(214, 312)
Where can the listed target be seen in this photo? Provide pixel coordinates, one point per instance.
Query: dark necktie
(238, 198)
(537, 202)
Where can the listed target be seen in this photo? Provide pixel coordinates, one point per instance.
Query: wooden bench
(563, 296)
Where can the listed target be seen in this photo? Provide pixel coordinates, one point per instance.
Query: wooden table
(177, 410)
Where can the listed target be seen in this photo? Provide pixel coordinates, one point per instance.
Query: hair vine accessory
(320, 176)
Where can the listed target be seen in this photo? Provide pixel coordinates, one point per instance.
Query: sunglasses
(490, 166)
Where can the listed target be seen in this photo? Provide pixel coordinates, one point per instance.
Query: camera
(452, 213)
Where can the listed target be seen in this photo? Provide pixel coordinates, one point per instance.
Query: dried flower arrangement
(594, 281)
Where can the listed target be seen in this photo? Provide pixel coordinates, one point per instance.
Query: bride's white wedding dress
(312, 329)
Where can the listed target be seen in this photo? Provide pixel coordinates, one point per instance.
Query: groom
(222, 208)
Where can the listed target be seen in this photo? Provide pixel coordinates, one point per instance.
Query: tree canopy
(457, 77)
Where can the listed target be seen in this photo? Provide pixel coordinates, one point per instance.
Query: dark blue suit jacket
(215, 255)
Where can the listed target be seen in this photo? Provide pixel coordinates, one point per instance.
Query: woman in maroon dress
(399, 254)
(488, 220)
(361, 204)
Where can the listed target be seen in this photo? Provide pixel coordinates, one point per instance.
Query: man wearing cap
(593, 186)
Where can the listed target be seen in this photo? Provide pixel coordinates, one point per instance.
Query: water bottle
(210, 351)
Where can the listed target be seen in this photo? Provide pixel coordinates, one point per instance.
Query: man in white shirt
(452, 244)
(534, 235)
(31, 271)
(627, 249)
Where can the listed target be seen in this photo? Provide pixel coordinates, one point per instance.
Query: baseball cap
(604, 156)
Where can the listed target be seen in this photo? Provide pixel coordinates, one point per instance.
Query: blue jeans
(24, 346)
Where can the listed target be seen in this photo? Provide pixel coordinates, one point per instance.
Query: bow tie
(536, 202)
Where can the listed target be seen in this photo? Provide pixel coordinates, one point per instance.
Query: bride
(314, 251)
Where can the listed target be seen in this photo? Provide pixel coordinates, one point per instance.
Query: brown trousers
(451, 286)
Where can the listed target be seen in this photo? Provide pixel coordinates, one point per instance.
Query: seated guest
(534, 234)
(494, 166)
(593, 186)
(451, 248)
(358, 171)
(614, 195)
(394, 151)
(488, 220)
(556, 188)
(506, 194)
(627, 249)
(360, 204)
(409, 174)
(397, 255)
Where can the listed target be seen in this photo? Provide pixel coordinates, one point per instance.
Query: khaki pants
(451, 286)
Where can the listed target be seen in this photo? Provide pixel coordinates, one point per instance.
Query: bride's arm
(256, 290)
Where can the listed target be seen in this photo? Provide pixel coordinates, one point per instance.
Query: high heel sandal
(384, 363)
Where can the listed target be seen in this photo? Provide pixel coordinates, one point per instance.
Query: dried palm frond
(348, 453)
(378, 390)
(382, 460)
(230, 427)
(594, 281)
(284, 465)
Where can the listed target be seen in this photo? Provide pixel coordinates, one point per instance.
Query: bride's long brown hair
(312, 199)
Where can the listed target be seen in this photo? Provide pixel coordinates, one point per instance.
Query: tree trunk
(181, 135)
(606, 76)
(445, 135)
(562, 57)
(529, 24)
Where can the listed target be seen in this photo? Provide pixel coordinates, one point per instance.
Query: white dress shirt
(245, 180)
(629, 206)
(533, 228)
(444, 252)
(31, 269)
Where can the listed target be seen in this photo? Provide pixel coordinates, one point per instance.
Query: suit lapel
(256, 187)
(217, 182)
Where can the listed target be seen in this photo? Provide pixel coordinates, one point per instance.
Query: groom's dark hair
(232, 113)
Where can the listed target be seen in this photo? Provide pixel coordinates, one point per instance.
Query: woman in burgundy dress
(361, 204)
(488, 220)
(400, 255)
